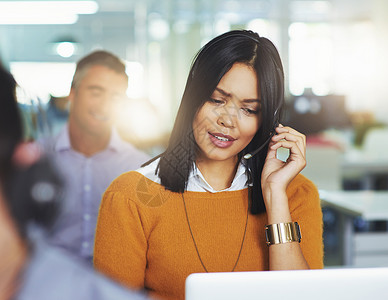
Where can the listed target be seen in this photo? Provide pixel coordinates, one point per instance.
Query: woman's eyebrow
(229, 95)
(251, 101)
(226, 94)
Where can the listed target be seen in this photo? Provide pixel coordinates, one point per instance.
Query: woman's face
(228, 121)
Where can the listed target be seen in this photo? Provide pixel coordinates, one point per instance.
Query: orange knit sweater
(143, 238)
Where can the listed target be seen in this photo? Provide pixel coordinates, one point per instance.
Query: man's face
(93, 101)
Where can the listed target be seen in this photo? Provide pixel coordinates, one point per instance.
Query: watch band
(282, 233)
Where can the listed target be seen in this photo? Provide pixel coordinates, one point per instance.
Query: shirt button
(86, 217)
(86, 187)
(85, 245)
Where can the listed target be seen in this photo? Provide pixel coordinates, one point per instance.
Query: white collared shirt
(196, 181)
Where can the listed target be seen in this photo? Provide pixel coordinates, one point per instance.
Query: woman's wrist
(276, 203)
(274, 196)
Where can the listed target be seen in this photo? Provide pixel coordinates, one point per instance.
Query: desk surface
(370, 205)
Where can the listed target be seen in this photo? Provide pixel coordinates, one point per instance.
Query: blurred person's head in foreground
(30, 193)
(29, 189)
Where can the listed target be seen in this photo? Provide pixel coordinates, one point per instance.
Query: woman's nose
(226, 118)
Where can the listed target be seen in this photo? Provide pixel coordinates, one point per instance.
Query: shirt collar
(115, 143)
(63, 140)
(197, 180)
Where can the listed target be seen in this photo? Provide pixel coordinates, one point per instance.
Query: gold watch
(282, 233)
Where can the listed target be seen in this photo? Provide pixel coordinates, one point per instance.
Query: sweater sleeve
(306, 210)
(120, 243)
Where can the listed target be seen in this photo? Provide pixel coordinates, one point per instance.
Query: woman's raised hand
(276, 173)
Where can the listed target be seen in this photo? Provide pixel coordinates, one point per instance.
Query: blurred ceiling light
(181, 27)
(308, 7)
(221, 26)
(296, 88)
(321, 89)
(231, 17)
(158, 28)
(40, 18)
(65, 49)
(232, 5)
(44, 12)
(302, 105)
(135, 72)
(43, 79)
(73, 7)
(259, 25)
(297, 30)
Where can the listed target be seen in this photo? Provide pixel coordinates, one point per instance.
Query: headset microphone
(249, 155)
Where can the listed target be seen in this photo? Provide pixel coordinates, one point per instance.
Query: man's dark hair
(97, 58)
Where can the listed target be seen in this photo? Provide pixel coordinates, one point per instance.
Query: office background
(334, 54)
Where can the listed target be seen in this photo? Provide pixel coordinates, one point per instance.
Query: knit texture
(143, 239)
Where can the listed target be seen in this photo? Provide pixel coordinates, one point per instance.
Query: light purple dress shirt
(86, 179)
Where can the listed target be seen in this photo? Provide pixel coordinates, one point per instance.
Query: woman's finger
(271, 152)
(295, 153)
(291, 134)
(289, 130)
(292, 138)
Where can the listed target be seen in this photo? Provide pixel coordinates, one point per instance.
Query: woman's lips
(221, 140)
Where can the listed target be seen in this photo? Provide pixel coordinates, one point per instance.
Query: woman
(203, 205)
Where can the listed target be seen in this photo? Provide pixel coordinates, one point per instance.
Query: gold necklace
(195, 244)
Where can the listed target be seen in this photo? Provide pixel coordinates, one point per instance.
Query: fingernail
(280, 125)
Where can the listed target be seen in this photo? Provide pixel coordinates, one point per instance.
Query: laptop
(325, 284)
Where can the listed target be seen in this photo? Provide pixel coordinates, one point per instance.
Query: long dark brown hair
(211, 63)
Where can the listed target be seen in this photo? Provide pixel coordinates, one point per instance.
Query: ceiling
(127, 28)
(118, 24)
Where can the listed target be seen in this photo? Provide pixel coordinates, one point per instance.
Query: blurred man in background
(30, 191)
(89, 152)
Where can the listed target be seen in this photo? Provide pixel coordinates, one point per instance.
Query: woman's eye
(216, 101)
(249, 111)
